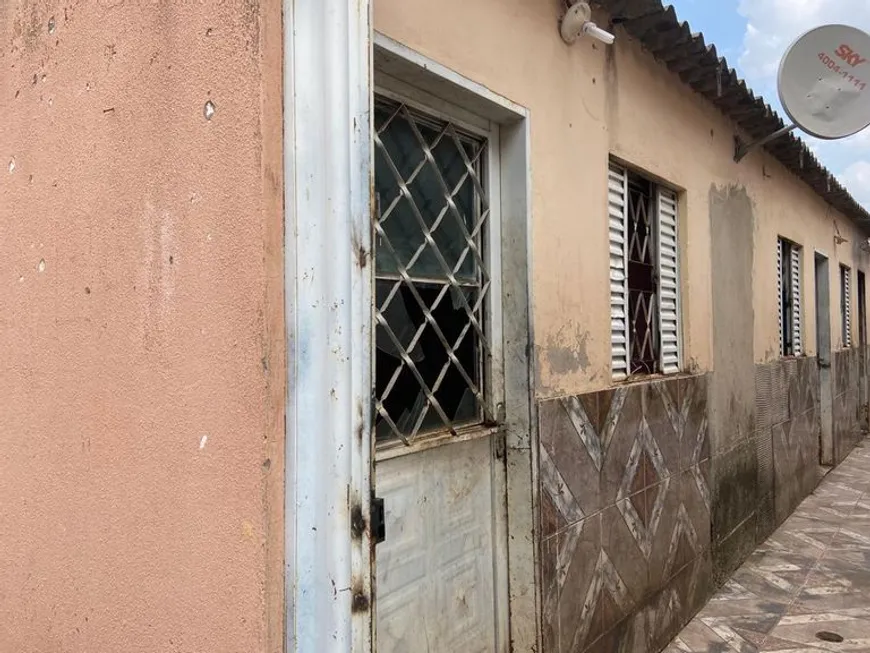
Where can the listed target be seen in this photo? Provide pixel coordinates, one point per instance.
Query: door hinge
(500, 445)
(379, 525)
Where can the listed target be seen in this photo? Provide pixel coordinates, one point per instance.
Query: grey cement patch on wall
(732, 391)
(566, 351)
(735, 491)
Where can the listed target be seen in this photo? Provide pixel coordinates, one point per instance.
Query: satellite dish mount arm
(741, 149)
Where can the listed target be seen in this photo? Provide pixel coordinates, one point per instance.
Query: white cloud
(772, 25)
(860, 141)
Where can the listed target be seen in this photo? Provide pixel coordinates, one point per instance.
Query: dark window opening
(642, 275)
(845, 306)
(786, 297)
(862, 310)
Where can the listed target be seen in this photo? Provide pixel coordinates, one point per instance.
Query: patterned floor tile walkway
(807, 588)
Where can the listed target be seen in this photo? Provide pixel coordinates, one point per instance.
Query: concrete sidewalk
(807, 588)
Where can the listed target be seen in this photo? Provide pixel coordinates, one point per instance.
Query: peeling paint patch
(41, 266)
(11, 165)
(565, 351)
(202, 442)
(209, 110)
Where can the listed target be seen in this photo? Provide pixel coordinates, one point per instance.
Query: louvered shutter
(796, 330)
(780, 255)
(617, 196)
(847, 306)
(669, 283)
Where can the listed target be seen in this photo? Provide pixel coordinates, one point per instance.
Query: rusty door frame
(328, 171)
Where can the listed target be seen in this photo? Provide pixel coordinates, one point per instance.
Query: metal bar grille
(788, 262)
(642, 277)
(780, 293)
(846, 304)
(862, 310)
(431, 279)
(796, 329)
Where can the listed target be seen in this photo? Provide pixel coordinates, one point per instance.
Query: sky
(754, 34)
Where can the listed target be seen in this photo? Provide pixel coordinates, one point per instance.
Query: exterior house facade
(394, 331)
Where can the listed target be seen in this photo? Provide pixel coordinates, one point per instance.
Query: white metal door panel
(435, 570)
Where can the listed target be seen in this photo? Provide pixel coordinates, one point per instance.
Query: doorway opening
(823, 349)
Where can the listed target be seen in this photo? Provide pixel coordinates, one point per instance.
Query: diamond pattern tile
(625, 508)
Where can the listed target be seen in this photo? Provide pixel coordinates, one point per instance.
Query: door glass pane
(431, 280)
(415, 191)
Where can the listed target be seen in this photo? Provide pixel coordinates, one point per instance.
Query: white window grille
(431, 277)
(645, 306)
(846, 304)
(669, 282)
(788, 263)
(797, 327)
(862, 309)
(620, 355)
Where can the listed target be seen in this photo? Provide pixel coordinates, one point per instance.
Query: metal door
(862, 346)
(440, 579)
(823, 347)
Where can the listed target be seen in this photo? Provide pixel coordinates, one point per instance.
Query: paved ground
(811, 576)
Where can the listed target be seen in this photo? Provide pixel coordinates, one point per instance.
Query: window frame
(860, 291)
(618, 244)
(787, 250)
(845, 306)
(492, 369)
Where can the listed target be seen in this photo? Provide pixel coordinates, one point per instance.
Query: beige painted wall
(588, 101)
(141, 326)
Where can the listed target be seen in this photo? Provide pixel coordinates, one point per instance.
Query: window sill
(637, 379)
(396, 448)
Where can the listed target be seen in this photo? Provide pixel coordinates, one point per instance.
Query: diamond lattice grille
(431, 280)
(642, 277)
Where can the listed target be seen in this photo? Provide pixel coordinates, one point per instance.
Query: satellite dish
(824, 85)
(824, 81)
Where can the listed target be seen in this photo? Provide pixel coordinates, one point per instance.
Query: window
(846, 305)
(431, 275)
(862, 310)
(789, 286)
(644, 276)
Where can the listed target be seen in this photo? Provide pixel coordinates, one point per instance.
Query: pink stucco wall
(140, 326)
